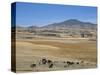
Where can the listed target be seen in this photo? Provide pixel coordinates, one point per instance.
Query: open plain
(40, 53)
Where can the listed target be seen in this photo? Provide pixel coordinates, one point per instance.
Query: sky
(37, 14)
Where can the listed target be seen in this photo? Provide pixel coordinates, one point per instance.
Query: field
(40, 53)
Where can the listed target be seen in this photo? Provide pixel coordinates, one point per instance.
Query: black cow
(51, 65)
(33, 65)
(44, 61)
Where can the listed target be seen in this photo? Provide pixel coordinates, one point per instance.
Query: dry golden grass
(87, 50)
(30, 51)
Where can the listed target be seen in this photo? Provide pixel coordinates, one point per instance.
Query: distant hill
(72, 23)
(33, 27)
(67, 24)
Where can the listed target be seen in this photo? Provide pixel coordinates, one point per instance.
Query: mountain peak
(73, 20)
(70, 23)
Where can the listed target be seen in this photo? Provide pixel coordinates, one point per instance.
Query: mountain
(67, 24)
(33, 27)
(71, 23)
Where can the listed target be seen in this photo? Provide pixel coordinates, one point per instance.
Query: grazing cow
(49, 61)
(33, 65)
(51, 65)
(77, 62)
(44, 61)
(70, 63)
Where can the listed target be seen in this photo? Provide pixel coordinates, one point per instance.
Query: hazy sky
(28, 14)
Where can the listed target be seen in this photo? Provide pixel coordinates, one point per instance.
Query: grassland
(80, 52)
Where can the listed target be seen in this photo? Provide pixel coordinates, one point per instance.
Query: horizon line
(54, 23)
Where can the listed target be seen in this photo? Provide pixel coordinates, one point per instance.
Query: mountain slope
(72, 23)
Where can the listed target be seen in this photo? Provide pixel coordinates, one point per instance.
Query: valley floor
(62, 54)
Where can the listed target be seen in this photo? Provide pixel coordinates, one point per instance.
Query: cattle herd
(50, 64)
